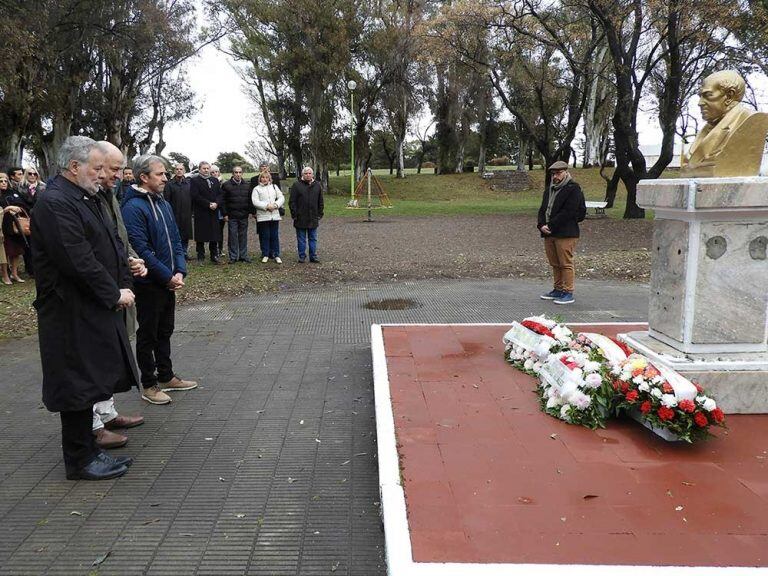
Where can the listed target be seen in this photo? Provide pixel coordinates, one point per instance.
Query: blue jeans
(238, 239)
(269, 238)
(301, 239)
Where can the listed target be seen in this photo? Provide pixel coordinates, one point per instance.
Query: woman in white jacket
(268, 199)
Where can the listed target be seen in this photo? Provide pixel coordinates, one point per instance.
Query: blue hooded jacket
(154, 236)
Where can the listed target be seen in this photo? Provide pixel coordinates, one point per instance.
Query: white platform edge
(397, 536)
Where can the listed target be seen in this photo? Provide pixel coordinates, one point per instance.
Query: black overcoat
(204, 191)
(80, 267)
(180, 198)
(306, 204)
(568, 210)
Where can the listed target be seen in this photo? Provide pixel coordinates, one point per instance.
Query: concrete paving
(269, 467)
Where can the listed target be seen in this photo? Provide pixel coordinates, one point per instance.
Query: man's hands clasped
(176, 282)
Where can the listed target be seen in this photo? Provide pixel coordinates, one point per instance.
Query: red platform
(492, 485)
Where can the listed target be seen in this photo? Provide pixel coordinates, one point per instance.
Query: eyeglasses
(32, 174)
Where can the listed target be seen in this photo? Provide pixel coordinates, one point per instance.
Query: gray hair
(179, 164)
(303, 170)
(214, 167)
(143, 164)
(77, 149)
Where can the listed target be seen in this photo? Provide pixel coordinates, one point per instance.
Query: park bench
(599, 207)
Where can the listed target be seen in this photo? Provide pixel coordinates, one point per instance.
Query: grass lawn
(416, 195)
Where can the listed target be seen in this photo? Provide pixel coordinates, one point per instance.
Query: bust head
(719, 93)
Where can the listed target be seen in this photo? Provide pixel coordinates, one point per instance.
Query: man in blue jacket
(153, 234)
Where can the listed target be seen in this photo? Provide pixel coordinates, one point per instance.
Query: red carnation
(717, 415)
(645, 407)
(615, 384)
(665, 413)
(631, 396)
(624, 387)
(687, 406)
(700, 419)
(667, 387)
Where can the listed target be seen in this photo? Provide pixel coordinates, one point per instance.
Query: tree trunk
(10, 149)
(521, 154)
(400, 145)
(481, 159)
(611, 188)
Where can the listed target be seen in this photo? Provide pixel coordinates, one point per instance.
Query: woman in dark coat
(206, 199)
(11, 203)
(81, 268)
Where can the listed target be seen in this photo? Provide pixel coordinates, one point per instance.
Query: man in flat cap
(562, 208)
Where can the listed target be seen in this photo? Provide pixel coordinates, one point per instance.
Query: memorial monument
(708, 312)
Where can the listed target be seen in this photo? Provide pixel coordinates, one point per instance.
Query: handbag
(21, 223)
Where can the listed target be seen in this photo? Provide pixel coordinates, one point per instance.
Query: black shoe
(301, 260)
(315, 260)
(246, 260)
(215, 261)
(116, 460)
(98, 469)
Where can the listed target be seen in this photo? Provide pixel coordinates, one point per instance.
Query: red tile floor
(488, 478)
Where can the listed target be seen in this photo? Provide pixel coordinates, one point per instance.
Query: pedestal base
(738, 381)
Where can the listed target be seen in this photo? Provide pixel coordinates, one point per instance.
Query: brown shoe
(124, 422)
(177, 384)
(154, 395)
(106, 439)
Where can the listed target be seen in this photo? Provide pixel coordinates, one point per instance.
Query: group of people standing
(204, 205)
(19, 190)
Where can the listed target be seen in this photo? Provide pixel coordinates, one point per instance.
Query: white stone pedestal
(708, 312)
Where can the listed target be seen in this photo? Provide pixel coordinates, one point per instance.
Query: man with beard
(153, 233)
(83, 286)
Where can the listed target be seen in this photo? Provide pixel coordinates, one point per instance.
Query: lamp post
(352, 85)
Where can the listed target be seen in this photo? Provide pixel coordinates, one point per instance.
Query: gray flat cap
(559, 165)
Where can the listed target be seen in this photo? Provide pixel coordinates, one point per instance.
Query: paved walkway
(269, 466)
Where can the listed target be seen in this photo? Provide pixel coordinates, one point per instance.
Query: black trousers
(213, 249)
(77, 441)
(156, 314)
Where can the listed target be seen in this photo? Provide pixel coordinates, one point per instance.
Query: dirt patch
(391, 304)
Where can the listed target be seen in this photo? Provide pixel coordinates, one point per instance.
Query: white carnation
(615, 369)
(658, 380)
(644, 387)
(709, 404)
(564, 412)
(593, 380)
(537, 367)
(581, 400)
(591, 366)
(656, 393)
(554, 402)
(528, 364)
(638, 380)
(626, 376)
(669, 400)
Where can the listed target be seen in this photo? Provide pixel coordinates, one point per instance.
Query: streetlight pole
(352, 85)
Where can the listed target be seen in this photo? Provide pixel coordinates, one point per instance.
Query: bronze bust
(732, 142)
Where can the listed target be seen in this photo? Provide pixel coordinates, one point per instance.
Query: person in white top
(268, 199)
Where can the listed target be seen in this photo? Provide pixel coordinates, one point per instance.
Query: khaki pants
(560, 256)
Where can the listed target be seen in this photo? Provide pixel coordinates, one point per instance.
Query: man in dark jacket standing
(562, 208)
(306, 206)
(153, 234)
(83, 285)
(178, 194)
(236, 207)
(206, 199)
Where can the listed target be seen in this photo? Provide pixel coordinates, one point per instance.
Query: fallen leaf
(336, 564)
(553, 436)
(222, 479)
(75, 513)
(475, 386)
(317, 440)
(525, 500)
(239, 515)
(154, 504)
(688, 484)
(291, 480)
(209, 439)
(148, 522)
(301, 421)
(187, 534)
(101, 558)
(589, 496)
(562, 518)
(678, 508)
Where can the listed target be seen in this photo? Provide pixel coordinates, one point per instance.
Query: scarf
(554, 190)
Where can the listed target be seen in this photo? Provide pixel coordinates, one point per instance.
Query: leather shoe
(107, 439)
(97, 469)
(124, 422)
(116, 460)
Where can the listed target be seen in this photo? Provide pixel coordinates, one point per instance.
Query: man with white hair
(206, 199)
(306, 205)
(83, 286)
(153, 233)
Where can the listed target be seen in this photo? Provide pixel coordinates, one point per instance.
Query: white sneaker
(264, 260)
(278, 260)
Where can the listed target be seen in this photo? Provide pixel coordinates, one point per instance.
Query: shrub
(499, 161)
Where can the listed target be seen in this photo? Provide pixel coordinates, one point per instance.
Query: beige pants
(560, 256)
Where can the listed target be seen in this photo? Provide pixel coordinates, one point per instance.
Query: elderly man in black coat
(306, 205)
(177, 192)
(206, 199)
(83, 286)
(236, 207)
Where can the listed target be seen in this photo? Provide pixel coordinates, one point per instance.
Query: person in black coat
(236, 207)
(206, 199)
(83, 286)
(306, 206)
(562, 208)
(177, 192)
